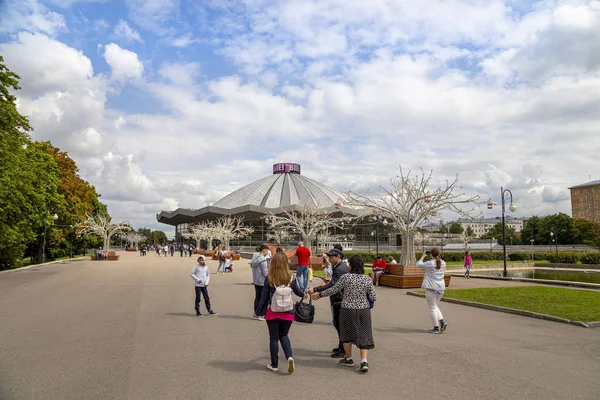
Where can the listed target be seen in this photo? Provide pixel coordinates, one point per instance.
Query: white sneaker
(291, 365)
(260, 318)
(274, 369)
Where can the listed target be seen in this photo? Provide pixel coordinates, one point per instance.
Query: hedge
(563, 257)
(590, 258)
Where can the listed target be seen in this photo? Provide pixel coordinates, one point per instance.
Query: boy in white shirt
(201, 276)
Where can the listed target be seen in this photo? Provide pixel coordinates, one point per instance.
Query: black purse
(305, 312)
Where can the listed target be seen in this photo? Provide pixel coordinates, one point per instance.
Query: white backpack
(282, 300)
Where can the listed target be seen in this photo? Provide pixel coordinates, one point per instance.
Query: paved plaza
(127, 330)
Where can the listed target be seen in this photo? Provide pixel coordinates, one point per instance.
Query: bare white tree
(134, 238)
(102, 226)
(307, 220)
(278, 235)
(199, 232)
(229, 226)
(409, 203)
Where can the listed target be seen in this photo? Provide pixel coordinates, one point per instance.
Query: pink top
(286, 316)
(468, 259)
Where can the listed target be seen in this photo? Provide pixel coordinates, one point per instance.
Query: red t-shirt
(380, 264)
(303, 254)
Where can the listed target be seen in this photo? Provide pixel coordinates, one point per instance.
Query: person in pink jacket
(468, 263)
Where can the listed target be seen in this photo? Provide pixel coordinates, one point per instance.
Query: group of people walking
(352, 296)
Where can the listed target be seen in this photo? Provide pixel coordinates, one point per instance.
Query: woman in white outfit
(434, 285)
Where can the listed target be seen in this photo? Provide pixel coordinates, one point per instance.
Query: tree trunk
(407, 256)
(106, 241)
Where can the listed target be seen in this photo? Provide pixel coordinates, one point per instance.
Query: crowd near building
(286, 188)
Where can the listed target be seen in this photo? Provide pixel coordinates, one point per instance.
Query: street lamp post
(55, 216)
(554, 240)
(378, 218)
(512, 208)
(532, 256)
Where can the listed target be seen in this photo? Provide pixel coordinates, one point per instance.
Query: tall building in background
(585, 201)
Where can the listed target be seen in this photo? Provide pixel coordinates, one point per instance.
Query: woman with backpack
(277, 305)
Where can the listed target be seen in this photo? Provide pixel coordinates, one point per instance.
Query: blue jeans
(302, 276)
(221, 264)
(278, 333)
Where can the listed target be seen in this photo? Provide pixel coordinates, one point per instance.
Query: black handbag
(305, 312)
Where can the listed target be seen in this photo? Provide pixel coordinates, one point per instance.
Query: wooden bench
(112, 256)
(316, 263)
(406, 281)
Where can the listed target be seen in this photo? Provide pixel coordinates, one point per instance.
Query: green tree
(159, 237)
(530, 230)
(28, 179)
(560, 225)
(79, 199)
(585, 232)
(147, 232)
(469, 232)
(456, 228)
(496, 232)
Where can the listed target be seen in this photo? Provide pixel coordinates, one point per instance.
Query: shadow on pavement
(181, 314)
(236, 317)
(400, 330)
(239, 366)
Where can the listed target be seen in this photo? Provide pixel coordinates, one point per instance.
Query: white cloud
(348, 89)
(30, 15)
(182, 41)
(123, 30)
(123, 63)
(153, 15)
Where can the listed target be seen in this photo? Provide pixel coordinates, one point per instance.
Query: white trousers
(433, 301)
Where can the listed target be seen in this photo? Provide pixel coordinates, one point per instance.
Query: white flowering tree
(308, 221)
(278, 235)
(410, 202)
(101, 225)
(199, 232)
(134, 238)
(228, 227)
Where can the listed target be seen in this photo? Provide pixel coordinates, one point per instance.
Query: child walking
(201, 276)
(468, 263)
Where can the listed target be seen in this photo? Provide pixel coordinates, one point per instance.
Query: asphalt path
(127, 330)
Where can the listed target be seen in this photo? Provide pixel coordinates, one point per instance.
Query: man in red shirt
(379, 266)
(303, 255)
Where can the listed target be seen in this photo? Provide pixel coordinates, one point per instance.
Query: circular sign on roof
(286, 168)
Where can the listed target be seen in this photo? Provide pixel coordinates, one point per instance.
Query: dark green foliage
(563, 258)
(590, 258)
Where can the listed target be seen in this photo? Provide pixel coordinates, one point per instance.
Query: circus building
(285, 188)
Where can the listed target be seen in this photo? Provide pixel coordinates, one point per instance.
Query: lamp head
(512, 207)
(385, 222)
(55, 216)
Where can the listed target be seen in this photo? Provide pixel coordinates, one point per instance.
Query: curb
(41, 265)
(515, 311)
(544, 281)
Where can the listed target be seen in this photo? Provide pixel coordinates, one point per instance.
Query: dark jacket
(267, 294)
(337, 273)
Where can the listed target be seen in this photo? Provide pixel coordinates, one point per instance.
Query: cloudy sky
(176, 103)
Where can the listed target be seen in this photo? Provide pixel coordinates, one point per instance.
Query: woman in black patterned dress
(355, 315)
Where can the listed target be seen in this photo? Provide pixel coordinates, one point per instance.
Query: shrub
(590, 258)
(563, 258)
(518, 256)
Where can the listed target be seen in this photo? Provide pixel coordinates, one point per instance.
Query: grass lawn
(499, 262)
(576, 305)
